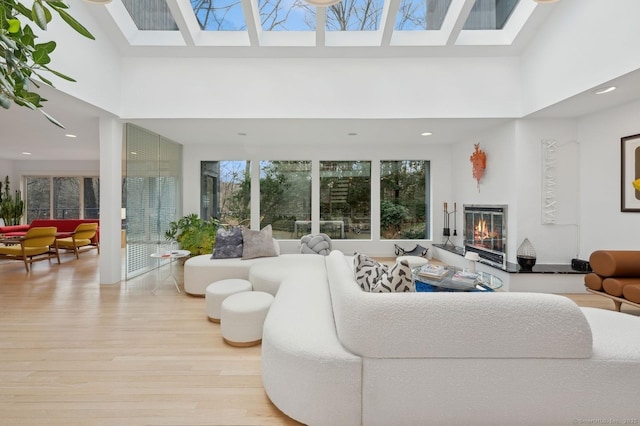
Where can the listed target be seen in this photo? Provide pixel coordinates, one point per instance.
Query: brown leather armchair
(616, 275)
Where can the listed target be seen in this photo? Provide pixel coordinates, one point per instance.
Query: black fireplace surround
(485, 232)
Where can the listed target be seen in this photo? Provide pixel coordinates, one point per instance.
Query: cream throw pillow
(258, 243)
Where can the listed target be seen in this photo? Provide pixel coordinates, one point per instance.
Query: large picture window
(345, 199)
(285, 197)
(404, 195)
(62, 197)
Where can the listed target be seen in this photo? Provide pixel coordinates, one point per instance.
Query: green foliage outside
(24, 60)
(11, 208)
(194, 234)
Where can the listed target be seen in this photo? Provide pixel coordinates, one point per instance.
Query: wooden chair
(37, 244)
(82, 237)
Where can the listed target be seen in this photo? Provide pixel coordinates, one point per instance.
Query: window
(404, 195)
(62, 197)
(345, 199)
(225, 191)
(285, 197)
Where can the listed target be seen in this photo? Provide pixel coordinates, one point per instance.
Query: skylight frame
(451, 33)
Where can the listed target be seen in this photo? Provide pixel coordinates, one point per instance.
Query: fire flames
(483, 231)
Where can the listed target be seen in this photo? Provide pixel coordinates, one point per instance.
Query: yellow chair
(81, 237)
(37, 244)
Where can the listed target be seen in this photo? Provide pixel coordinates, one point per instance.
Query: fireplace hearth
(485, 232)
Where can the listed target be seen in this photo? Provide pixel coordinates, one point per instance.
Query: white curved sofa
(335, 355)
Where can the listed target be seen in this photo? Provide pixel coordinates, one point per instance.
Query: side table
(171, 256)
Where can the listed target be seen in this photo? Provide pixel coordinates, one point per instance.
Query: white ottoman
(242, 317)
(220, 290)
(413, 261)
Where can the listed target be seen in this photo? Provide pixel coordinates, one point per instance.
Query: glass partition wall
(151, 196)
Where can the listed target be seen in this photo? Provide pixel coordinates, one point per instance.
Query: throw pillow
(315, 244)
(398, 279)
(228, 244)
(258, 243)
(367, 271)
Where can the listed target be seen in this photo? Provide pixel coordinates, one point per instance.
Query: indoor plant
(194, 234)
(11, 208)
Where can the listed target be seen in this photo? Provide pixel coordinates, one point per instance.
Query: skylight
(151, 15)
(349, 23)
(219, 15)
(421, 15)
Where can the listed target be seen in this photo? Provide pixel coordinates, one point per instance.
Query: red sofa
(62, 225)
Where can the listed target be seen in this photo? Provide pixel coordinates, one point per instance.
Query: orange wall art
(479, 163)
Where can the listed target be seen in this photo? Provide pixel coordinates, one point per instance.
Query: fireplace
(485, 232)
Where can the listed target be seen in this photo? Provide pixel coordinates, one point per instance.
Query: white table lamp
(473, 257)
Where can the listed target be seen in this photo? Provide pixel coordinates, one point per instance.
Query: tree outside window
(285, 197)
(345, 199)
(404, 192)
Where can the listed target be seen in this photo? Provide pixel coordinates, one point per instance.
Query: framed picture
(630, 173)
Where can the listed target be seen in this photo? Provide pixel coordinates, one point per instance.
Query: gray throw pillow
(258, 243)
(228, 244)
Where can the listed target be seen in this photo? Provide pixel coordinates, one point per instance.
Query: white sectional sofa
(335, 355)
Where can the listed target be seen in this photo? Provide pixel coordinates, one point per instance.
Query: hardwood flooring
(73, 352)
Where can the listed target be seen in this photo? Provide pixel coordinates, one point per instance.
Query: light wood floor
(73, 352)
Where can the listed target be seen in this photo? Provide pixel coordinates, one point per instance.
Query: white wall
(604, 226)
(582, 45)
(439, 155)
(514, 177)
(320, 87)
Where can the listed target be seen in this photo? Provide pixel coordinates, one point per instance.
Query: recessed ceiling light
(352, 134)
(426, 134)
(603, 90)
(242, 134)
(69, 135)
(134, 153)
(26, 153)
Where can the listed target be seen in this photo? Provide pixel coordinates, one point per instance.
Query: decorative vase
(526, 255)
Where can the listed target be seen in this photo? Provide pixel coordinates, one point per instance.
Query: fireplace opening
(485, 232)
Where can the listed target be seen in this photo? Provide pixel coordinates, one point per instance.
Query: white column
(110, 133)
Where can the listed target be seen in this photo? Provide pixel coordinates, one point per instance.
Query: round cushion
(632, 292)
(615, 263)
(242, 317)
(220, 290)
(413, 261)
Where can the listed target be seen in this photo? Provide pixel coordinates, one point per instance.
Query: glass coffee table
(484, 282)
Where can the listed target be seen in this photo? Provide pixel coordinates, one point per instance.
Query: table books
(433, 272)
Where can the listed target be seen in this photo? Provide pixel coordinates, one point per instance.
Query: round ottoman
(220, 290)
(242, 316)
(413, 261)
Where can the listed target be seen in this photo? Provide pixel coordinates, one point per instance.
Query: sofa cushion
(228, 244)
(632, 292)
(615, 286)
(376, 277)
(315, 244)
(615, 263)
(593, 281)
(398, 279)
(367, 271)
(258, 243)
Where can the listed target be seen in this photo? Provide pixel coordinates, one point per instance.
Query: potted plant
(194, 234)
(11, 208)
